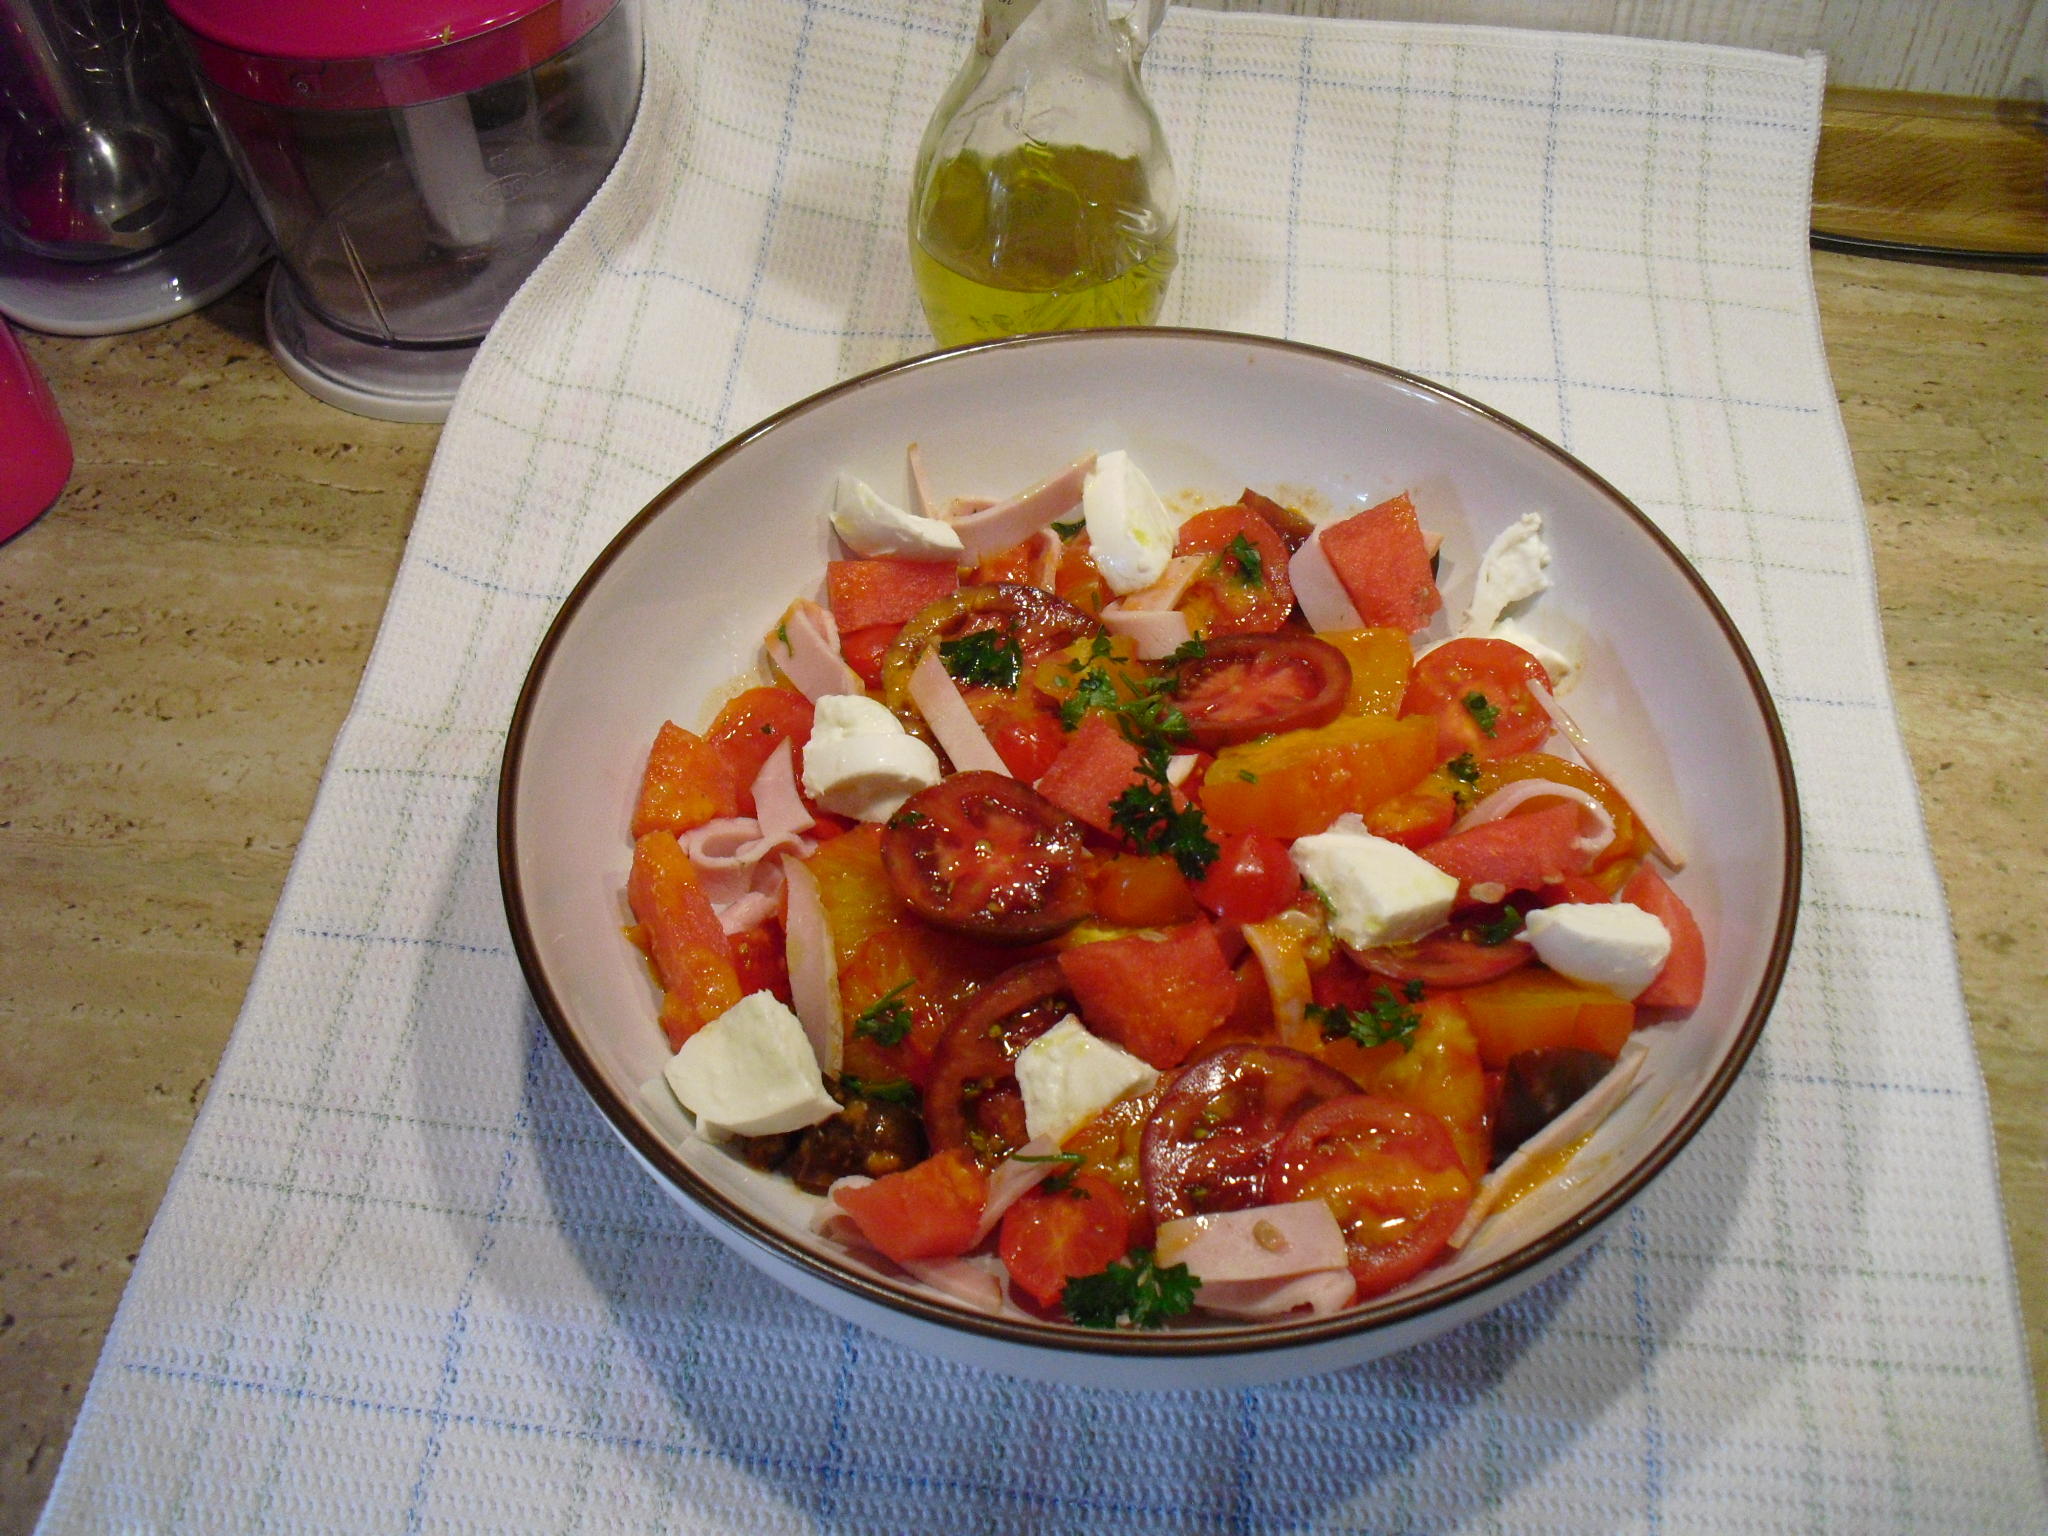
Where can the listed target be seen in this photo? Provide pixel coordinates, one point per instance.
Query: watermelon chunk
(1684, 976)
(1381, 560)
(1521, 853)
(691, 953)
(864, 593)
(1157, 996)
(687, 783)
(1094, 767)
(930, 1211)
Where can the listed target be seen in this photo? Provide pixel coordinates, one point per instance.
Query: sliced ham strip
(921, 501)
(1266, 1242)
(1045, 560)
(777, 806)
(1576, 1123)
(756, 906)
(810, 657)
(1324, 602)
(938, 699)
(1509, 797)
(1168, 590)
(1322, 1291)
(964, 506)
(975, 1281)
(1014, 1178)
(1158, 633)
(1013, 521)
(1666, 847)
(813, 967)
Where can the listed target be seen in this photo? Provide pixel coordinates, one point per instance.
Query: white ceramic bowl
(674, 609)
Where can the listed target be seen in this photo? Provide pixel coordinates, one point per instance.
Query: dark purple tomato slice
(983, 855)
(1244, 686)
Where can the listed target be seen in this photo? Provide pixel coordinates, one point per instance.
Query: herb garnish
(1499, 930)
(1465, 767)
(1146, 814)
(894, 1090)
(1382, 1021)
(1188, 650)
(1484, 713)
(989, 657)
(1066, 531)
(1134, 1293)
(1061, 1178)
(887, 1019)
(1250, 563)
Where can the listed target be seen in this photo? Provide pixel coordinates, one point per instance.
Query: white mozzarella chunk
(1555, 662)
(1509, 571)
(1378, 892)
(1604, 944)
(860, 762)
(872, 526)
(750, 1072)
(1067, 1075)
(1130, 532)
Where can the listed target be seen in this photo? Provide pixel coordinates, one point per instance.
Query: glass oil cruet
(1044, 198)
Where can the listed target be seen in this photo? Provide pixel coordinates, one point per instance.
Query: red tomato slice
(1294, 528)
(1251, 880)
(749, 729)
(972, 1100)
(930, 1211)
(1209, 1141)
(1244, 589)
(1028, 744)
(866, 649)
(983, 855)
(1479, 692)
(1050, 1236)
(1457, 956)
(688, 782)
(1389, 1173)
(1257, 685)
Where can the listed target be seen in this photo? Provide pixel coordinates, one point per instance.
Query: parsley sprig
(894, 1090)
(887, 1019)
(1465, 767)
(1146, 814)
(1383, 1021)
(1061, 1178)
(1134, 1293)
(1499, 930)
(989, 657)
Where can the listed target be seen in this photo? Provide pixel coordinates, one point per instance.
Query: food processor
(413, 160)
(117, 210)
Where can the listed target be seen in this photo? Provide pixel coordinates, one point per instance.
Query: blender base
(132, 293)
(387, 383)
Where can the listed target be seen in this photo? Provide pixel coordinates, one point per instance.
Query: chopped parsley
(1188, 650)
(1092, 690)
(1146, 814)
(1465, 767)
(1062, 1177)
(1134, 1293)
(1247, 776)
(908, 817)
(782, 635)
(1066, 531)
(1482, 712)
(1245, 555)
(1141, 706)
(1498, 930)
(1383, 1021)
(887, 1019)
(894, 1090)
(989, 657)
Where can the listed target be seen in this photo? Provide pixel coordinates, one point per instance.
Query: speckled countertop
(180, 639)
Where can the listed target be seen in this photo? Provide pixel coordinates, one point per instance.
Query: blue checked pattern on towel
(406, 1280)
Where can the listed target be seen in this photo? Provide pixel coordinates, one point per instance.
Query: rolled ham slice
(778, 807)
(757, 905)
(938, 699)
(1167, 591)
(813, 967)
(1322, 1291)
(1013, 521)
(806, 647)
(1266, 1242)
(1157, 633)
(1324, 602)
(975, 1281)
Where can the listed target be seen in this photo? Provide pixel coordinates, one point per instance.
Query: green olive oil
(1039, 238)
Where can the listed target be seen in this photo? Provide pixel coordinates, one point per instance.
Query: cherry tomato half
(1389, 1173)
(1457, 956)
(972, 1100)
(1243, 588)
(1028, 743)
(1255, 685)
(983, 855)
(1478, 690)
(1212, 1135)
(1038, 621)
(1052, 1235)
(1251, 880)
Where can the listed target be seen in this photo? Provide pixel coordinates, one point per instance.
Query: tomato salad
(1115, 916)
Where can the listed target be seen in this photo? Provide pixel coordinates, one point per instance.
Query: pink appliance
(117, 209)
(414, 160)
(35, 450)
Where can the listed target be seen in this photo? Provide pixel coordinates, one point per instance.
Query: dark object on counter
(1538, 1087)
(35, 450)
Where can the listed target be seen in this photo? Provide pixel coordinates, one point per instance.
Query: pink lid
(336, 55)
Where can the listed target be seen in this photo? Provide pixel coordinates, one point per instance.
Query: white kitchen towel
(406, 1279)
